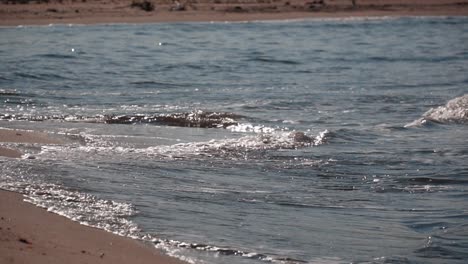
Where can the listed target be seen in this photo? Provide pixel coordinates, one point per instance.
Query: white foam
(251, 128)
(455, 111)
(266, 141)
(80, 207)
(223, 148)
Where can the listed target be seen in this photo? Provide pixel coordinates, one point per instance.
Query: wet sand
(10, 153)
(43, 12)
(23, 136)
(29, 234)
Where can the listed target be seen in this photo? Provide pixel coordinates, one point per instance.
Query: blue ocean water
(316, 141)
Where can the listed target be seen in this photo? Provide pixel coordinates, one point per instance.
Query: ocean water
(315, 141)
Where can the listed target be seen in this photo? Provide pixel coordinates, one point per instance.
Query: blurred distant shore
(43, 12)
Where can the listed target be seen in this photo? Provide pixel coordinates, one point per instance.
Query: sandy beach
(41, 12)
(29, 234)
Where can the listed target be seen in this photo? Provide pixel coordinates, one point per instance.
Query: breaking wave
(246, 147)
(455, 111)
(9, 92)
(114, 216)
(193, 119)
(165, 244)
(240, 147)
(201, 119)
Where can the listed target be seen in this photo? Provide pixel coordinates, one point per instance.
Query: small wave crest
(9, 92)
(166, 244)
(241, 147)
(267, 59)
(246, 147)
(445, 241)
(250, 128)
(455, 111)
(201, 119)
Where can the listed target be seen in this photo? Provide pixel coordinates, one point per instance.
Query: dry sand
(29, 234)
(133, 11)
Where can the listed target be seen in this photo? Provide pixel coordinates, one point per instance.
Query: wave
(9, 92)
(165, 244)
(243, 148)
(192, 119)
(434, 59)
(56, 56)
(41, 76)
(198, 118)
(116, 216)
(455, 111)
(156, 84)
(445, 241)
(267, 59)
(250, 128)
(112, 216)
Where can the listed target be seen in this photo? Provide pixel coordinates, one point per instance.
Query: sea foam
(455, 111)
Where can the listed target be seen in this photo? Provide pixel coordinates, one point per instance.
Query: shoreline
(159, 174)
(124, 11)
(30, 234)
(23, 137)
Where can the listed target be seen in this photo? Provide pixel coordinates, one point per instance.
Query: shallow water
(322, 141)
